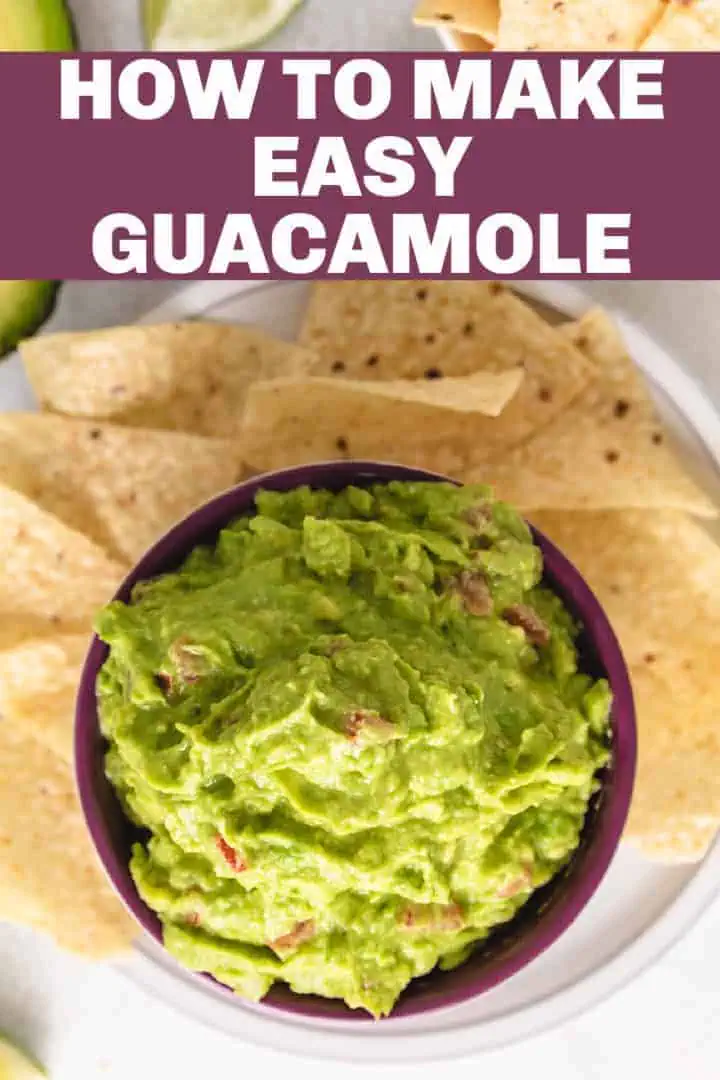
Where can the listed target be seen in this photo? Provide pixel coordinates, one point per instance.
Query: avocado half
(36, 26)
(30, 26)
(24, 307)
(15, 1063)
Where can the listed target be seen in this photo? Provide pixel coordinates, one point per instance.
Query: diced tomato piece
(232, 857)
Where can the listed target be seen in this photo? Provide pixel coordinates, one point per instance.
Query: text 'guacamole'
(357, 735)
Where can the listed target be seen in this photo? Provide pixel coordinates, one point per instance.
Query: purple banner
(198, 167)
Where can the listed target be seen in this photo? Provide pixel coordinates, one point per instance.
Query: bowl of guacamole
(355, 741)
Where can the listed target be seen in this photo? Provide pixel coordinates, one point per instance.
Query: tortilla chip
(185, 377)
(48, 572)
(678, 780)
(469, 42)
(657, 575)
(483, 392)
(410, 420)
(16, 629)
(121, 487)
(404, 329)
(687, 26)
(50, 877)
(575, 25)
(683, 842)
(479, 17)
(658, 578)
(38, 685)
(608, 451)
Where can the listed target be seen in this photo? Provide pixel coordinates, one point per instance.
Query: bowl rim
(594, 858)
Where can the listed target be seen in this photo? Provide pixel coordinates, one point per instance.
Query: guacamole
(356, 735)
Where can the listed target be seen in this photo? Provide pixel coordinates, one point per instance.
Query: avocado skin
(24, 307)
(38, 26)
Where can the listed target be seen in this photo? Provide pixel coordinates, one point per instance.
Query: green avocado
(15, 1063)
(30, 26)
(357, 735)
(24, 307)
(36, 26)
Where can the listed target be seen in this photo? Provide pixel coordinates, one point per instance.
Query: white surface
(80, 1019)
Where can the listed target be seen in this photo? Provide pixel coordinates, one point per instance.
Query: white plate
(641, 908)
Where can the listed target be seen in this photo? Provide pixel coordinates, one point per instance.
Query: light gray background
(87, 1023)
(343, 25)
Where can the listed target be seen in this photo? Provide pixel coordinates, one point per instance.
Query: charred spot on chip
(342, 444)
(95, 433)
(337, 366)
(433, 373)
(495, 287)
(558, 5)
(430, 339)
(622, 408)
(373, 360)
(469, 329)
(545, 393)
(445, 16)
(650, 658)
(213, 386)
(657, 437)
(421, 294)
(581, 341)
(611, 456)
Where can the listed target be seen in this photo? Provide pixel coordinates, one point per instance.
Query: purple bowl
(550, 910)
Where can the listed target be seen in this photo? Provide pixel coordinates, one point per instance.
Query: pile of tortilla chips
(139, 425)
(82, 497)
(579, 448)
(576, 25)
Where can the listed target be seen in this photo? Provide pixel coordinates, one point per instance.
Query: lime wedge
(15, 1065)
(215, 25)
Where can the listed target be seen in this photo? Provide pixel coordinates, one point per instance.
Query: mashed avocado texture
(356, 734)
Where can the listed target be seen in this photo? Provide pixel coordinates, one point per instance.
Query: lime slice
(216, 25)
(15, 1065)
